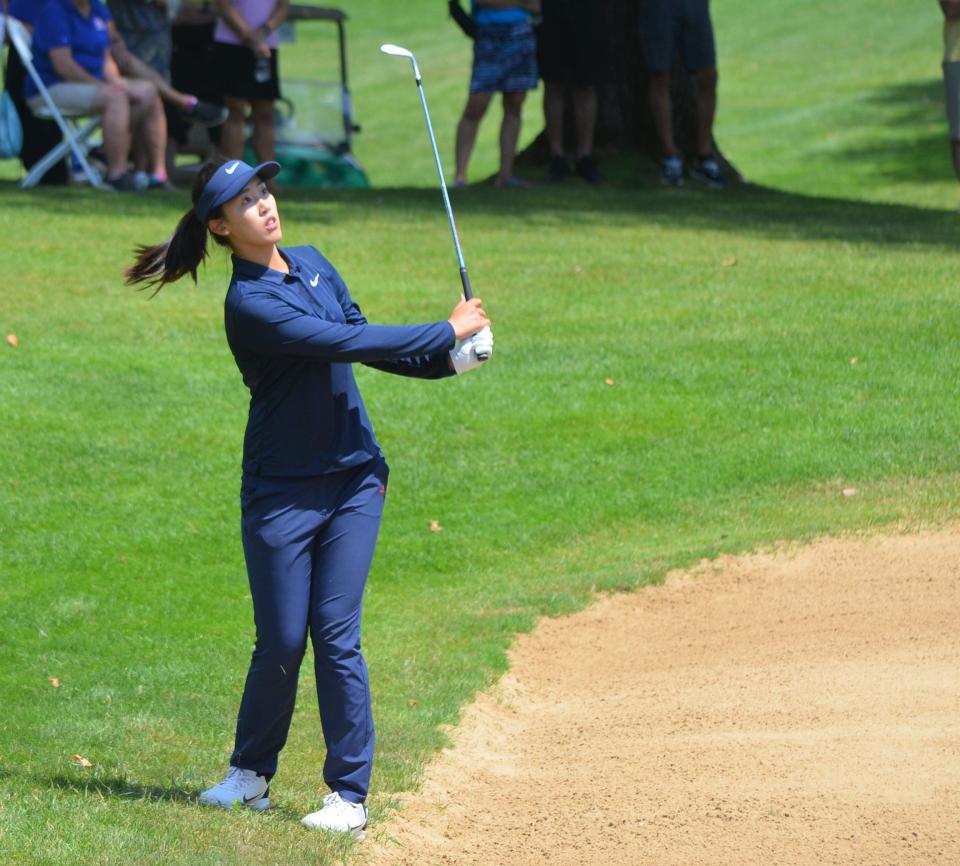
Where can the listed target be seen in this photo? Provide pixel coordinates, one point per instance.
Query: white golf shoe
(240, 786)
(338, 815)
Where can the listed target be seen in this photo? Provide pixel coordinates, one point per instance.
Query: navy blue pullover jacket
(294, 337)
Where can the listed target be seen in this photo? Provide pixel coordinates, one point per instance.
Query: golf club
(397, 51)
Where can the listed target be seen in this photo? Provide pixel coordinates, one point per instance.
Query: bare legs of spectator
(510, 135)
(149, 124)
(264, 131)
(476, 108)
(662, 111)
(585, 114)
(554, 101)
(264, 138)
(113, 104)
(232, 131)
(705, 87)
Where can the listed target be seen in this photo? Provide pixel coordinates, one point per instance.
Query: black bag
(463, 18)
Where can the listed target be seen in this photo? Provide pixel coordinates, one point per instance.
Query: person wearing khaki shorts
(951, 75)
(71, 49)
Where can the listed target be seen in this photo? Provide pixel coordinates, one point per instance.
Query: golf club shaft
(464, 277)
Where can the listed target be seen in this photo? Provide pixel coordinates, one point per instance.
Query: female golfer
(314, 478)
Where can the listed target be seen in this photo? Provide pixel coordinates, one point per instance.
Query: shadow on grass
(119, 787)
(918, 149)
(123, 788)
(742, 210)
(633, 196)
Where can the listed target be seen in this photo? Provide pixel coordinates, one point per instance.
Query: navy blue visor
(228, 181)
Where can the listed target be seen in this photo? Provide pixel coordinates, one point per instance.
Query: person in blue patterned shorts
(504, 61)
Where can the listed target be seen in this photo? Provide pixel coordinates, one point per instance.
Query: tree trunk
(624, 122)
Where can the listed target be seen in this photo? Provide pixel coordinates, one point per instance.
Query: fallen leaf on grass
(854, 361)
(12, 340)
(850, 491)
(435, 526)
(729, 262)
(54, 682)
(82, 761)
(411, 702)
(577, 269)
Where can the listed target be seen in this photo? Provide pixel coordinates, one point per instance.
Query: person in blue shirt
(26, 11)
(40, 136)
(71, 52)
(504, 61)
(314, 476)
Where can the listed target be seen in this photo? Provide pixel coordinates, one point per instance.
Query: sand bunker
(801, 707)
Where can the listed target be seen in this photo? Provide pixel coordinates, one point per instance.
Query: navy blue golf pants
(309, 543)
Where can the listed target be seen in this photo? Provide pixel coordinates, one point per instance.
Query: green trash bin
(314, 131)
(312, 167)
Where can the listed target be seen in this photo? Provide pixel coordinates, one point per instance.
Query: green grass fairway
(677, 374)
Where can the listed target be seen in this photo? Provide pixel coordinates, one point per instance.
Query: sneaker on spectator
(671, 173)
(125, 183)
(207, 113)
(558, 169)
(243, 787)
(338, 815)
(707, 170)
(587, 169)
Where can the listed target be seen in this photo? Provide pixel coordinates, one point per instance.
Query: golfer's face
(252, 216)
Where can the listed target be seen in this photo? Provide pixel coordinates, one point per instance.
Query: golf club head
(397, 51)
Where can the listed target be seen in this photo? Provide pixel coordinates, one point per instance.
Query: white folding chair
(76, 135)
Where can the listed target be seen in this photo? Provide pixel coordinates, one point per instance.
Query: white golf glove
(473, 351)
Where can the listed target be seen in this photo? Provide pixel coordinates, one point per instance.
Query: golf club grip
(467, 295)
(465, 280)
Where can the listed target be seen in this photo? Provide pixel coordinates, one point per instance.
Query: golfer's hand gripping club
(473, 351)
(472, 327)
(398, 51)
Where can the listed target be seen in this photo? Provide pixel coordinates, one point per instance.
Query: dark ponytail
(183, 252)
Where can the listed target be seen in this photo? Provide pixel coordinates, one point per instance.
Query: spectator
(145, 28)
(572, 54)
(140, 43)
(39, 136)
(72, 57)
(951, 74)
(188, 104)
(245, 53)
(504, 61)
(666, 27)
(192, 71)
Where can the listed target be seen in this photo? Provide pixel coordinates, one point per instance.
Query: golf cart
(314, 119)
